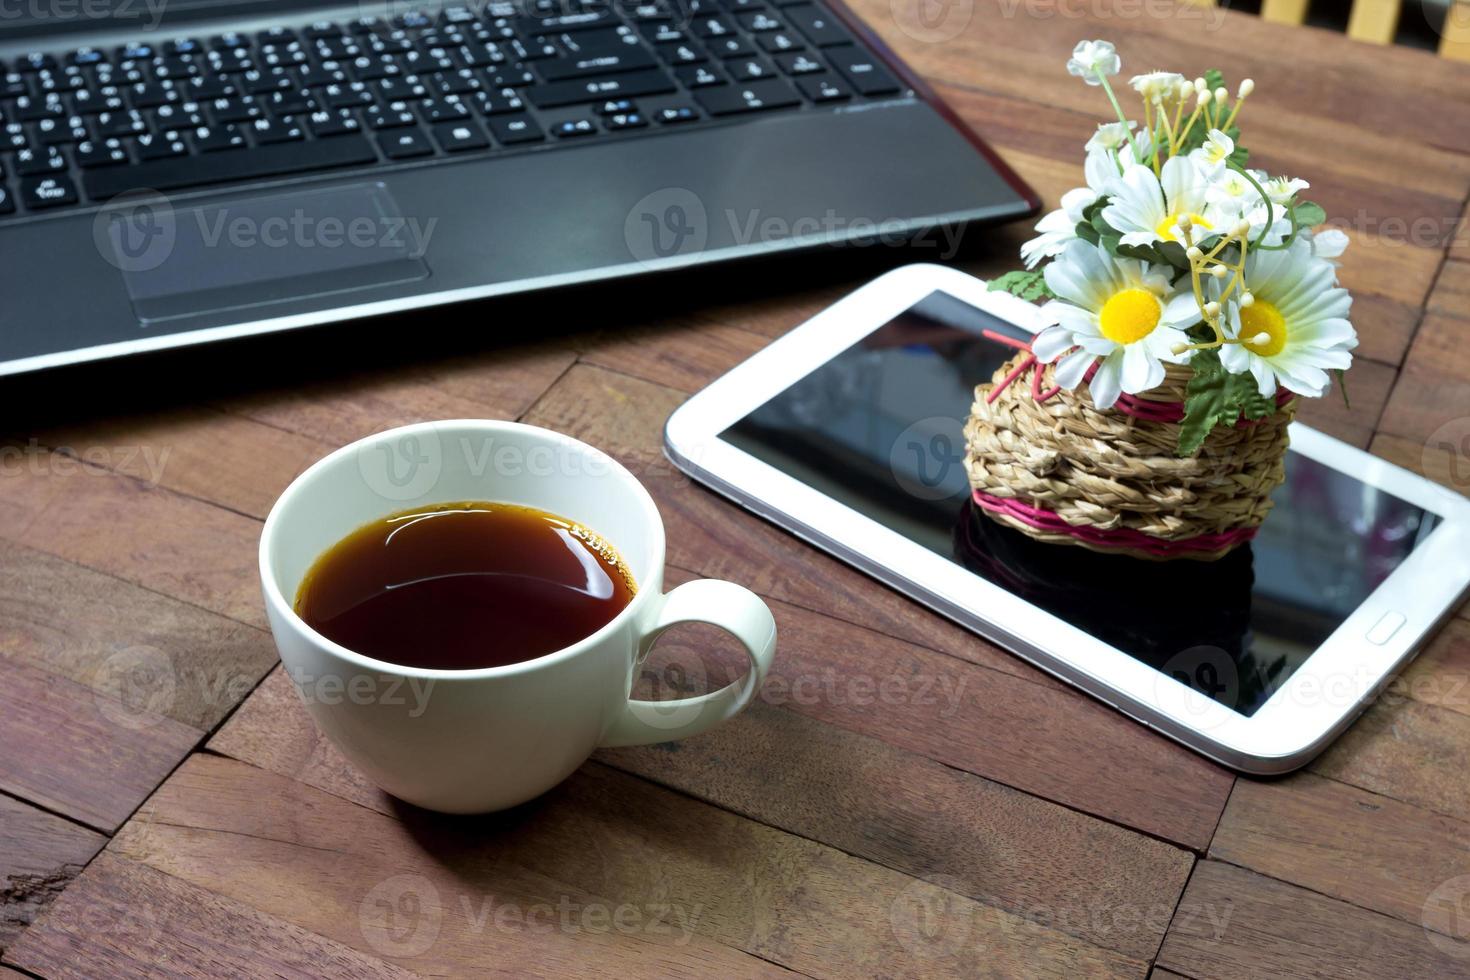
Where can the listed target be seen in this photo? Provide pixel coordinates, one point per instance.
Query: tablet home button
(1386, 628)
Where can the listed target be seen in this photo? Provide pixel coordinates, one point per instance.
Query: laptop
(184, 171)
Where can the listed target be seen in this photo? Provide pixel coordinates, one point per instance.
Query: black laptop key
(48, 192)
(572, 22)
(698, 76)
(820, 27)
(759, 22)
(332, 122)
(215, 139)
(626, 120)
(33, 161)
(863, 71)
(683, 53)
(217, 168)
(396, 116)
(749, 69)
(101, 153)
(284, 129)
(404, 144)
(799, 64)
(519, 128)
(457, 137)
(769, 93)
(574, 127)
(677, 114)
(7, 203)
(779, 41)
(733, 46)
(629, 85)
(605, 62)
(161, 146)
(824, 89)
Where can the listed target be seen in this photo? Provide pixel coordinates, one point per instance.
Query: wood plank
(1236, 923)
(1428, 400)
(124, 919)
(1005, 849)
(1440, 674)
(602, 840)
(624, 417)
(40, 853)
(181, 547)
(340, 409)
(1352, 419)
(1349, 844)
(76, 751)
(1451, 294)
(175, 659)
(226, 459)
(1403, 750)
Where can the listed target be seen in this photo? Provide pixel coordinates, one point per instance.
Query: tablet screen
(879, 428)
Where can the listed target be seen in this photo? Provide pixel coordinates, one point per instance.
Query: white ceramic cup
(470, 741)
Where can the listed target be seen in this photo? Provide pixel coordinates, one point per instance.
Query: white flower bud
(1194, 252)
(1261, 339)
(1200, 85)
(1219, 271)
(1246, 299)
(1241, 230)
(1221, 95)
(1212, 309)
(1246, 88)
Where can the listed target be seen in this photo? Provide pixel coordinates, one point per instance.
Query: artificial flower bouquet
(1192, 302)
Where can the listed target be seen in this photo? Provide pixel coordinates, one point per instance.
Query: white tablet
(847, 432)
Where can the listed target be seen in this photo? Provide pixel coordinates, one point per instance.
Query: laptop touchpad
(260, 250)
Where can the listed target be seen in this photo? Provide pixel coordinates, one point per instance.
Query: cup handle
(734, 609)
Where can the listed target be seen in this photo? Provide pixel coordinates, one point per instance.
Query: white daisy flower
(1093, 59)
(1327, 243)
(1146, 209)
(1212, 156)
(1112, 136)
(1160, 86)
(1118, 313)
(1296, 329)
(1281, 190)
(1232, 193)
(1060, 226)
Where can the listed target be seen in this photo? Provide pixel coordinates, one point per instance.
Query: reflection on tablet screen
(879, 428)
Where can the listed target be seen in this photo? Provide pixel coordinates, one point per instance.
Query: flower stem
(1111, 97)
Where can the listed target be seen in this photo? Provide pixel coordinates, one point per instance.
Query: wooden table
(904, 799)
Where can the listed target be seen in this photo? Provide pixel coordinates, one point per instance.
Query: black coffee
(465, 585)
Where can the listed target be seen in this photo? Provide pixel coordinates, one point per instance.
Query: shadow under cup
(462, 740)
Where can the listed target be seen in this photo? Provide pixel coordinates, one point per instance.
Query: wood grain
(178, 660)
(1403, 749)
(40, 853)
(1349, 844)
(1236, 923)
(1451, 295)
(1005, 849)
(602, 840)
(77, 751)
(124, 919)
(1431, 400)
(153, 537)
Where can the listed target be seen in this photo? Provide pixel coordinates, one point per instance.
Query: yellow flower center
(1130, 315)
(1259, 318)
(1165, 230)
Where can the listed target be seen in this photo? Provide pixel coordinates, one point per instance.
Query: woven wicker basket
(1061, 470)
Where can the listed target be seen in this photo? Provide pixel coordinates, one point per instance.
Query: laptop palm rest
(252, 251)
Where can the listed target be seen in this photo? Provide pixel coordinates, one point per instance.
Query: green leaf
(1213, 397)
(1086, 232)
(1308, 214)
(1029, 284)
(1214, 78)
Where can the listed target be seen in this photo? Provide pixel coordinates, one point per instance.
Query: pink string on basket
(1045, 520)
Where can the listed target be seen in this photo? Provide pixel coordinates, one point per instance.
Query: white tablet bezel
(1296, 723)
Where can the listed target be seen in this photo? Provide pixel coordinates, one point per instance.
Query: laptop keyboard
(79, 127)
